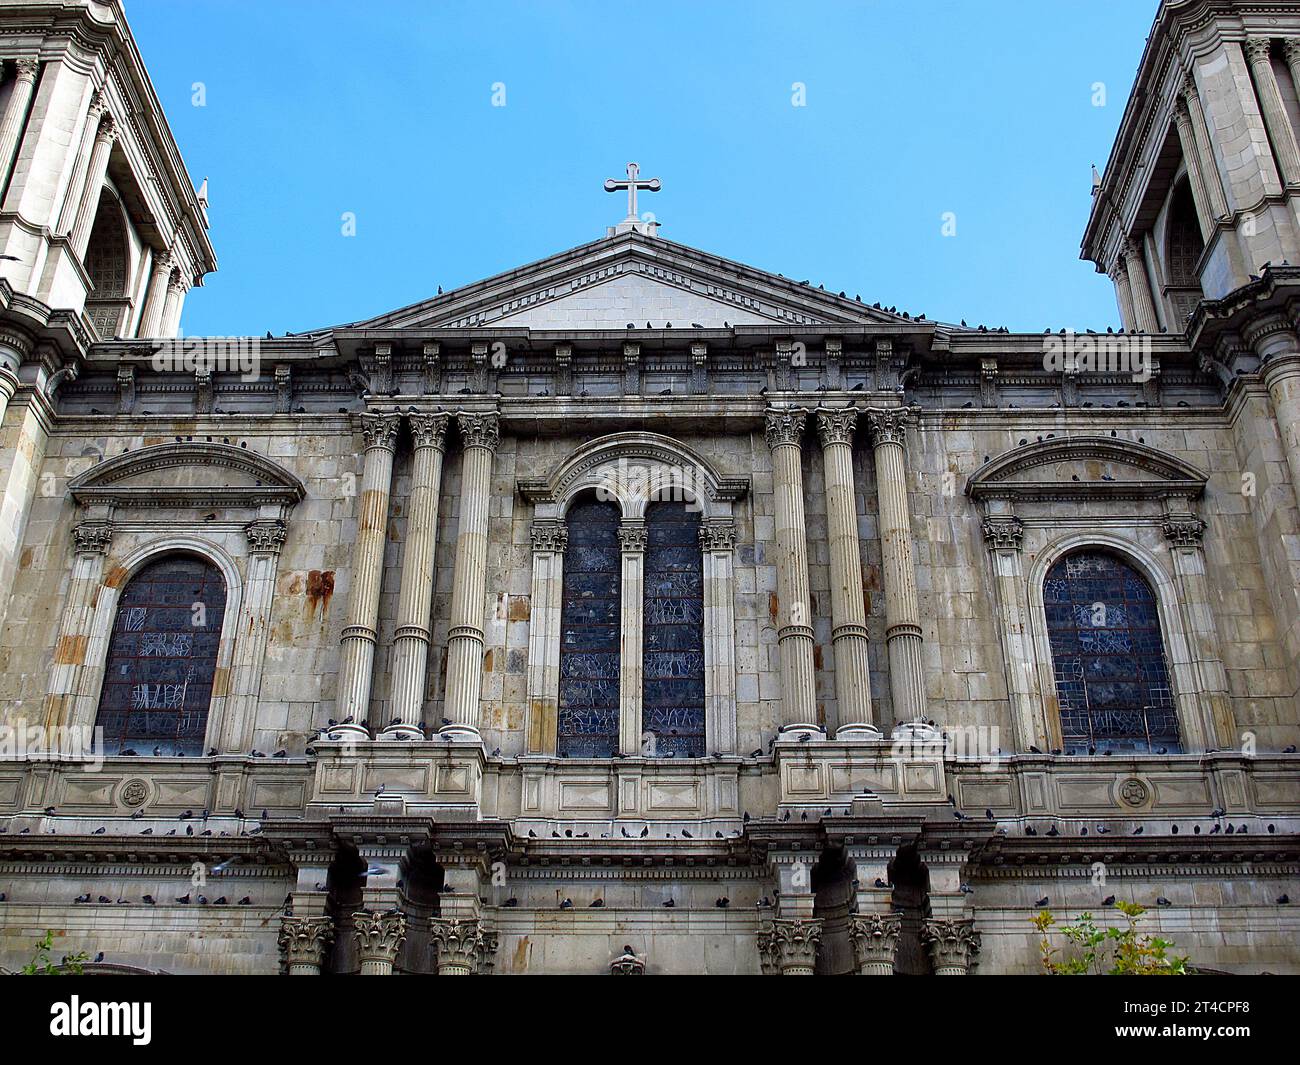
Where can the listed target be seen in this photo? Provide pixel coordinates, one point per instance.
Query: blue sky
(913, 108)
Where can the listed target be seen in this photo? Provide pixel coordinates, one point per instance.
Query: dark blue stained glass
(162, 658)
(1108, 657)
(672, 690)
(590, 633)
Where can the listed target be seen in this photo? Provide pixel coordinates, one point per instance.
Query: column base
(401, 732)
(460, 734)
(797, 731)
(352, 732)
(859, 732)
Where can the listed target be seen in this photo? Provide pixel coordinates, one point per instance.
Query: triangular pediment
(632, 279)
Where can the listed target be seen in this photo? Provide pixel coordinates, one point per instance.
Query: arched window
(1108, 657)
(673, 633)
(589, 632)
(162, 658)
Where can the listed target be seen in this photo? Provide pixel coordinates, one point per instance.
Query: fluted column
(480, 435)
(411, 640)
(1144, 308)
(902, 609)
(72, 197)
(357, 652)
(379, 938)
(303, 941)
(11, 127)
(835, 429)
(1195, 171)
(875, 941)
(1205, 148)
(95, 173)
(953, 945)
(1123, 292)
(460, 944)
(156, 297)
(177, 286)
(1276, 120)
(794, 633)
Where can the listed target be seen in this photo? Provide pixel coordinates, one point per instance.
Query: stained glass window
(673, 635)
(162, 658)
(590, 632)
(1108, 657)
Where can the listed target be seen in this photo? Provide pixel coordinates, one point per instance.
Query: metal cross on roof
(632, 183)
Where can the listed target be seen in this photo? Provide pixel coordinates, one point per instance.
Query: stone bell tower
(1202, 190)
(101, 231)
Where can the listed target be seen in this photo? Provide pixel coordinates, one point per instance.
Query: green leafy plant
(42, 965)
(1106, 951)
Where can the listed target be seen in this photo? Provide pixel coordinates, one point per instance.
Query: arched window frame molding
(105, 613)
(139, 521)
(1173, 633)
(664, 466)
(1148, 515)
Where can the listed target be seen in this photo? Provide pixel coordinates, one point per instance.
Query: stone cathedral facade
(637, 611)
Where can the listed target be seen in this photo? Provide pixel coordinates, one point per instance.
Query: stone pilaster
(835, 429)
(91, 541)
(1144, 308)
(357, 650)
(379, 937)
(875, 939)
(632, 537)
(11, 126)
(784, 432)
(303, 942)
(902, 610)
(411, 639)
(266, 538)
(1276, 120)
(953, 945)
(718, 543)
(105, 135)
(480, 435)
(460, 945)
(795, 944)
(550, 538)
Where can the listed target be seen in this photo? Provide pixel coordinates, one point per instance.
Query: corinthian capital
(28, 68)
(429, 430)
(303, 940)
(380, 430)
(952, 945)
(480, 430)
(795, 943)
(266, 536)
(1004, 532)
(379, 935)
(875, 938)
(1257, 49)
(108, 128)
(836, 426)
(785, 427)
(92, 538)
(460, 945)
(549, 536)
(1291, 50)
(888, 426)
